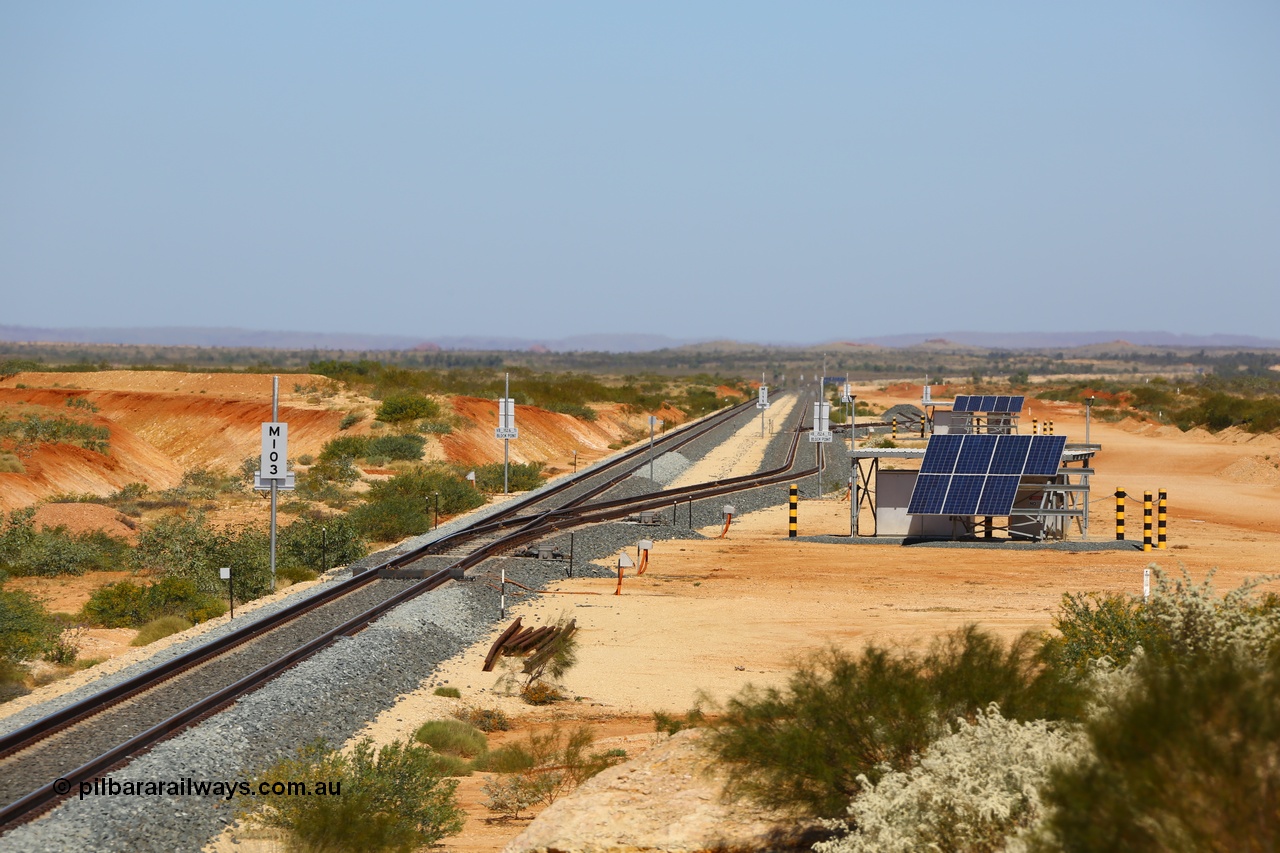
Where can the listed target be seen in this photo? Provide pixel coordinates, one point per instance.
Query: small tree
(391, 799)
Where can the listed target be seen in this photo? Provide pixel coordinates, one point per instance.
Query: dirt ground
(709, 617)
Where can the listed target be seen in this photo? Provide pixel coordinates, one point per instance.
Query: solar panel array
(1002, 404)
(979, 474)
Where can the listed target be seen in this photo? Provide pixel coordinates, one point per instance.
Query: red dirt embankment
(549, 437)
(154, 434)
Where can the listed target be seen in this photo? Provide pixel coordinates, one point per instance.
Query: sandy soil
(709, 617)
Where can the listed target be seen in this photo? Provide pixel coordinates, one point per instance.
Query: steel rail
(37, 730)
(69, 781)
(27, 736)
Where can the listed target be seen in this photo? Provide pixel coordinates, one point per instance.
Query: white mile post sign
(275, 450)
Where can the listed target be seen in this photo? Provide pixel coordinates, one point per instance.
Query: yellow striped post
(1119, 514)
(1049, 424)
(1035, 426)
(793, 501)
(1162, 522)
(895, 427)
(1146, 521)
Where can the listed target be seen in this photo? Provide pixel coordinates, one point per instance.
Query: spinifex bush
(394, 798)
(158, 629)
(452, 737)
(521, 476)
(484, 719)
(843, 719)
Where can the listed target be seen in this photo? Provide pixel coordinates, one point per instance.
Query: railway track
(89, 737)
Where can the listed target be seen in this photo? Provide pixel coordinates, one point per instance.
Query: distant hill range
(197, 336)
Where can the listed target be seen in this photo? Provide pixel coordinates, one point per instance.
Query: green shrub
(577, 410)
(449, 692)
(158, 629)
(13, 680)
(27, 630)
(970, 790)
(125, 604)
(10, 464)
(31, 430)
(450, 765)
(1181, 618)
(306, 459)
(1092, 626)
(317, 543)
(350, 419)
(394, 799)
(404, 505)
(509, 758)
(295, 574)
(1187, 761)
(452, 737)
(345, 446)
(25, 551)
(398, 447)
(521, 477)
(400, 408)
(842, 718)
(186, 547)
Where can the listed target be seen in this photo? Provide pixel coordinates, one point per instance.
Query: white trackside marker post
(274, 462)
(763, 402)
(1146, 584)
(506, 431)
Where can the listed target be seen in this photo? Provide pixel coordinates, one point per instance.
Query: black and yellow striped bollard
(895, 427)
(1146, 521)
(793, 501)
(1035, 426)
(1119, 514)
(1049, 424)
(1162, 522)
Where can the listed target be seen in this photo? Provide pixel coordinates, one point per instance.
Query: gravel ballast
(333, 694)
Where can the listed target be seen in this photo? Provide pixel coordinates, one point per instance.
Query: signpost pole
(506, 442)
(275, 484)
(225, 573)
(652, 421)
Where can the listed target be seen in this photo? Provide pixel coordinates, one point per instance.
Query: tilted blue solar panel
(1015, 403)
(1001, 404)
(997, 495)
(1045, 457)
(961, 403)
(988, 404)
(975, 454)
(962, 496)
(928, 495)
(1011, 454)
(940, 454)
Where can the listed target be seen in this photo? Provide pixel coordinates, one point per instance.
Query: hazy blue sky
(785, 171)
